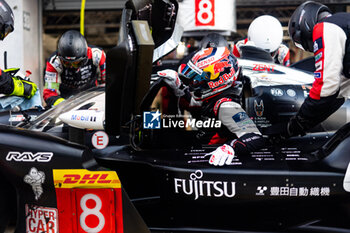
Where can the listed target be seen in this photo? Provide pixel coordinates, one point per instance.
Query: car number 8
(204, 7)
(94, 211)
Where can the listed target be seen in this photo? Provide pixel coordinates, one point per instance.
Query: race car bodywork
(63, 182)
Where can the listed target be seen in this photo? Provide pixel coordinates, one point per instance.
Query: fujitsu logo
(29, 156)
(204, 188)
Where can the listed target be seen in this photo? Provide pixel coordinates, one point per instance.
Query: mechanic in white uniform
(212, 73)
(313, 28)
(266, 32)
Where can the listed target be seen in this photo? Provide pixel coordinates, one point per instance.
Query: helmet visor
(73, 63)
(192, 72)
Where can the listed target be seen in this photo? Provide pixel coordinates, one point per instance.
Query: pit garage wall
(23, 45)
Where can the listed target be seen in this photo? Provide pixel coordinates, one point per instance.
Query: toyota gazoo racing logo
(204, 188)
(29, 156)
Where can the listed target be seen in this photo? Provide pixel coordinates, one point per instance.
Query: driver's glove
(221, 156)
(296, 126)
(23, 87)
(171, 78)
(284, 130)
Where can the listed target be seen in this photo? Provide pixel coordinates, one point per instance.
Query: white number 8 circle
(205, 10)
(94, 211)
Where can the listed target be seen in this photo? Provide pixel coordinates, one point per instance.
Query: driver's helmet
(302, 22)
(213, 40)
(266, 32)
(6, 19)
(72, 49)
(210, 72)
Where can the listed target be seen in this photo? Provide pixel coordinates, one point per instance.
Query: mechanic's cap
(6, 19)
(213, 40)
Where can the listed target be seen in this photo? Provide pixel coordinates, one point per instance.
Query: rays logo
(151, 120)
(29, 156)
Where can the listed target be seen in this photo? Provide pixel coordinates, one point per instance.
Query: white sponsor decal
(204, 188)
(29, 156)
(300, 191)
(318, 65)
(50, 76)
(276, 92)
(100, 140)
(35, 178)
(291, 92)
(260, 190)
(20, 118)
(346, 183)
(41, 219)
(315, 46)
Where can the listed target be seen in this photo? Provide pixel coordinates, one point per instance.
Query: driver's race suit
(62, 82)
(330, 87)
(280, 56)
(237, 129)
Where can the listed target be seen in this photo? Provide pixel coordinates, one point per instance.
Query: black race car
(73, 169)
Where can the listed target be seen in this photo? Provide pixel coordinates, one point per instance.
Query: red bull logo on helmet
(222, 79)
(220, 66)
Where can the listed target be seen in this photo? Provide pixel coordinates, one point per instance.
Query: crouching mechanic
(74, 67)
(10, 85)
(212, 73)
(268, 38)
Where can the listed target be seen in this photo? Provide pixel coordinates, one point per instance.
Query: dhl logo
(78, 178)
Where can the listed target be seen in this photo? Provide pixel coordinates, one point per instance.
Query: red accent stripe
(315, 92)
(235, 51)
(216, 139)
(50, 68)
(234, 144)
(89, 53)
(218, 104)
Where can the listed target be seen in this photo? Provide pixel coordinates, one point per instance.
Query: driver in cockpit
(212, 73)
